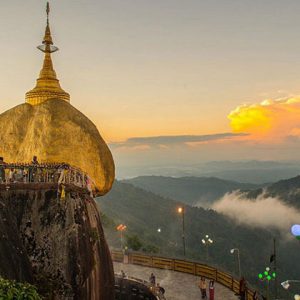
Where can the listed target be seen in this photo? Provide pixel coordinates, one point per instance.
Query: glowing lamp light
(180, 209)
(232, 251)
(266, 275)
(121, 227)
(285, 284)
(297, 297)
(158, 230)
(295, 229)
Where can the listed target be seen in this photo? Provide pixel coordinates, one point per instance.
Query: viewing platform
(179, 278)
(48, 175)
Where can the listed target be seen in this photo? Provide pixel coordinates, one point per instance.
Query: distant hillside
(195, 191)
(256, 176)
(144, 212)
(287, 190)
(257, 172)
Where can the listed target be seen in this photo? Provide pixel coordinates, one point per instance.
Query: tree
(133, 242)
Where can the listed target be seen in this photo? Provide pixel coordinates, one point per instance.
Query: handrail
(183, 266)
(147, 284)
(57, 173)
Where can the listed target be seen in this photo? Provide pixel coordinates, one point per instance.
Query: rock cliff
(56, 244)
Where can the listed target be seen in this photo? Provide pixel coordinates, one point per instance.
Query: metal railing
(154, 290)
(183, 266)
(53, 173)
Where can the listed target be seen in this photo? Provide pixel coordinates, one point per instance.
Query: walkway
(14, 174)
(178, 286)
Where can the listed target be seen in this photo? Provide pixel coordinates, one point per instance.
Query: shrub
(12, 290)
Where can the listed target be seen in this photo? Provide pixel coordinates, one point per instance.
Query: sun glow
(268, 120)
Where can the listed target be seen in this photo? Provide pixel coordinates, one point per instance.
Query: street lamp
(207, 241)
(121, 228)
(286, 284)
(181, 210)
(267, 275)
(295, 229)
(238, 256)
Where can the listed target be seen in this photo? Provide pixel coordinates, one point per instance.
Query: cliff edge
(56, 244)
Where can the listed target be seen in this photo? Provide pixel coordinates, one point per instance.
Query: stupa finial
(47, 86)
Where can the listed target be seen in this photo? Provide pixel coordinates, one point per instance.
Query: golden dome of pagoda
(47, 86)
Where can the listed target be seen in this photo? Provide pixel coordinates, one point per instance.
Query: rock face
(56, 244)
(55, 131)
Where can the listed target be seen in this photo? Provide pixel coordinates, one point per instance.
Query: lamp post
(238, 257)
(286, 285)
(181, 210)
(121, 228)
(207, 241)
(267, 275)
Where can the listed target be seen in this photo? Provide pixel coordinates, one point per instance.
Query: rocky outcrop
(57, 244)
(55, 131)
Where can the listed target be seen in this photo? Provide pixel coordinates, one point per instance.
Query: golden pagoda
(47, 86)
(49, 127)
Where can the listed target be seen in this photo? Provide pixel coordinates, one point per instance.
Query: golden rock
(55, 131)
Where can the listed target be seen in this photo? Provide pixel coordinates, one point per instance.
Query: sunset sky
(215, 79)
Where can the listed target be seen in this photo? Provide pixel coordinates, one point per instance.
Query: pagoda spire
(47, 85)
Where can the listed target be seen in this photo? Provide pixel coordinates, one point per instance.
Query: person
(33, 169)
(152, 279)
(12, 175)
(202, 286)
(160, 289)
(243, 287)
(211, 290)
(2, 170)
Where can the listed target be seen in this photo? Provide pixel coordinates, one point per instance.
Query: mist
(261, 212)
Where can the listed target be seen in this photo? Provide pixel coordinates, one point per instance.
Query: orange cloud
(271, 120)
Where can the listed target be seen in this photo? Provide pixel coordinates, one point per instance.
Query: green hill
(144, 212)
(287, 190)
(196, 191)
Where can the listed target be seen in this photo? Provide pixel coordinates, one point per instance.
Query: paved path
(178, 286)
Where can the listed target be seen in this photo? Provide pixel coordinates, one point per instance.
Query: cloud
(261, 212)
(162, 142)
(270, 120)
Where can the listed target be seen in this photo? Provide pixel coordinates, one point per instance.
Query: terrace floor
(178, 286)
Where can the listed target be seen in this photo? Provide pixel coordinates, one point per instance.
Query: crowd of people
(34, 171)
